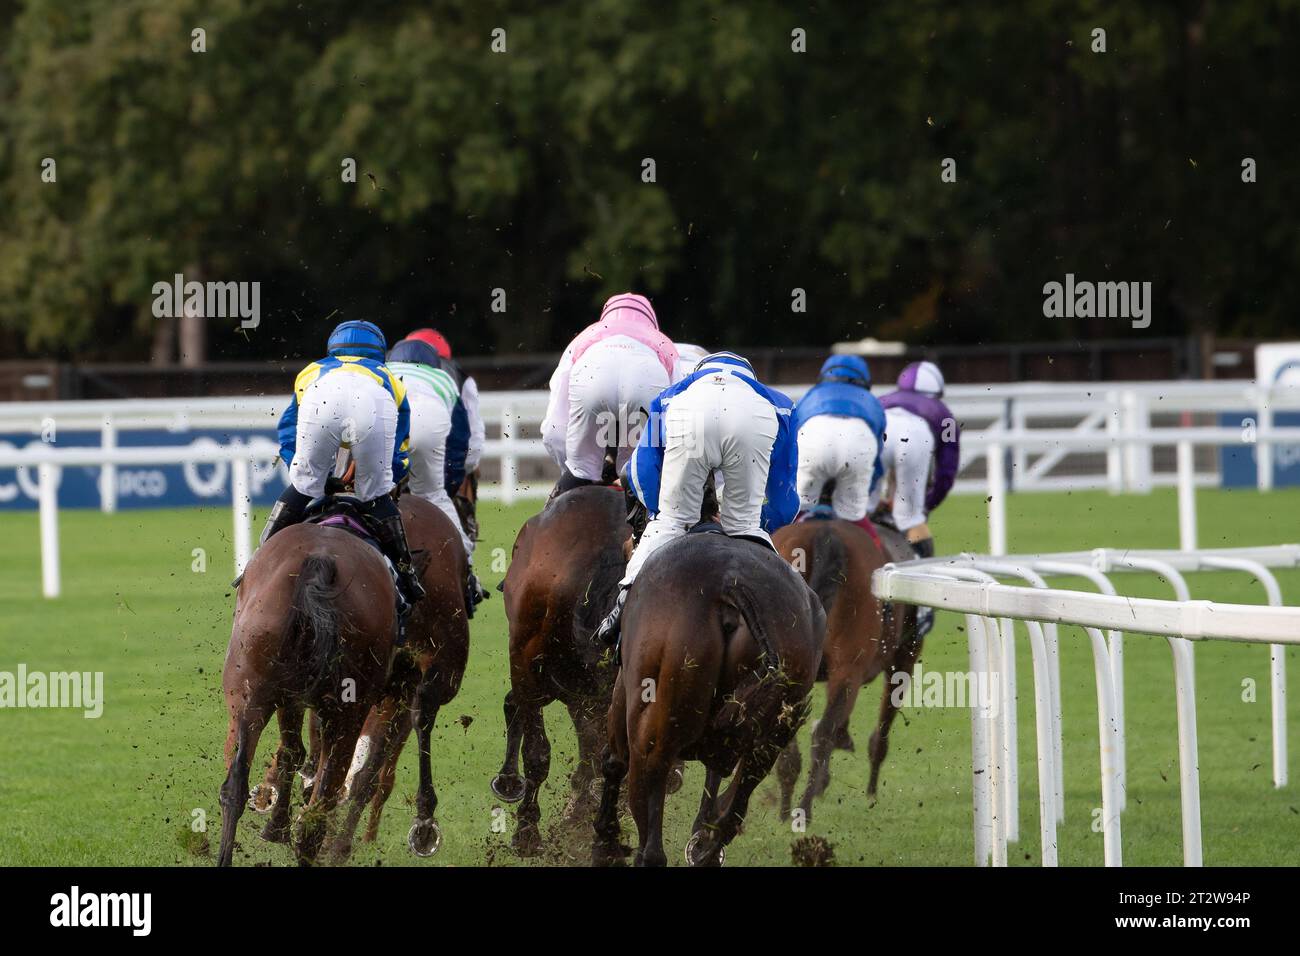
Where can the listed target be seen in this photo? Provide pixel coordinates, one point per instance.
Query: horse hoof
(695, 855)
(675, 779)
(274, 834)
(424, 838)
(508, 787)
(263, 798)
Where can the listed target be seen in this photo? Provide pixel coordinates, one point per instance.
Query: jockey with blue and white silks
(349, 399)
(720, 417)
(841, 428)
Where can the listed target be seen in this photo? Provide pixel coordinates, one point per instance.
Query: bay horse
(563, 575)
(863, 640)
(721, 646)
(314, 625)
(426, 675)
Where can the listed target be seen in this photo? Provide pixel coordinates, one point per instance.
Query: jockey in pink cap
(605, 382)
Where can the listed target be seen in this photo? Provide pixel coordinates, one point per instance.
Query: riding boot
(475, 593)
(392, 539)
(609, 629)
(924, 615)
(288, 509)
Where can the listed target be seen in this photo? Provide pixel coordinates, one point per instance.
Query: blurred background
(522, 170)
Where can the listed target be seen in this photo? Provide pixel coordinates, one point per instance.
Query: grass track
(121, 790)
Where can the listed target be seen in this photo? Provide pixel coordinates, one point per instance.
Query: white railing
(1113, 420)
(969, 584)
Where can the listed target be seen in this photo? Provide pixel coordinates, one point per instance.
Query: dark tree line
(524, 170)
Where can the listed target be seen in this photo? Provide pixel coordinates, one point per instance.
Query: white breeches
(609, 386)
(345, 410)
(430, 426)
(907, 457)
(841, 448)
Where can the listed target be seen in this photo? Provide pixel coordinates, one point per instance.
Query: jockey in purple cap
(922, 452)
(605, 382)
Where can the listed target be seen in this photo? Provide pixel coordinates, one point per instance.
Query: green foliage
(522, 170)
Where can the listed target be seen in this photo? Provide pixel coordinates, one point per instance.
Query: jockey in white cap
(605, 381)
(718, 417)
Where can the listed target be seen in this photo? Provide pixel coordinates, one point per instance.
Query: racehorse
(721, 645)
(426, 675)
(563, 576)
(314, 625)
(863, 640)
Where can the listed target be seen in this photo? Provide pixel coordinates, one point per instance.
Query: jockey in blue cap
(841, 428)
(349, 399)
(720, 417)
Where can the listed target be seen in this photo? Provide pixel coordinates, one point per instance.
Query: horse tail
(760, 699)
(829, 567)
(313, 624)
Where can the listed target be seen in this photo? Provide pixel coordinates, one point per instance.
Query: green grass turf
(122, 789)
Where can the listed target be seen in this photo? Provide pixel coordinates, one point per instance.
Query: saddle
(713, 527)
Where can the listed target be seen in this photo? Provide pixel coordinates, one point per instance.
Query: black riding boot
(392, 538)
(475, 593)
(288, 509)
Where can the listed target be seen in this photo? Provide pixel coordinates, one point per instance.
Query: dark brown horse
(837, 559)
(314, 625)
(721, 645)
(563, 576)
(425, 676)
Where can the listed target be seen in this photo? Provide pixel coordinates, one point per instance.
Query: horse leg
(841, 695)
(246, 725)
(287, 760)
(903, 662)
(363, 772)
(788, 766)
(751, 770)
(537, 764)
(395, 739)
(307, 772)
(424, 837)
(339, 733)
(507, 784)
(607, 849)
(587, 727)
(709, 799)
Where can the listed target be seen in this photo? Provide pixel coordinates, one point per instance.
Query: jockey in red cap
(435, 338)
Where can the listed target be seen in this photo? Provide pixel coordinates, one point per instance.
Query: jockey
(434, 396)
(921, 432)
(465, 441)
(718, 417)
(841, 427)
(688, 357)
(349, 399)
(608, 376)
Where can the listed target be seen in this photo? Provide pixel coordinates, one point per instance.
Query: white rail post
(1186, 497)
(1189, 769)
(981, 762)
(48, 495)
(1263, 449)
(1107, 734)
(1010, 730)
(1043, 704)
(241, 508)
(997, 503)
(509, 467)
(1114, 453)
(997, 738)
(108, 472)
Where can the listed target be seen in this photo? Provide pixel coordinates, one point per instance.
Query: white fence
(969, 584)
(1022, 436)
